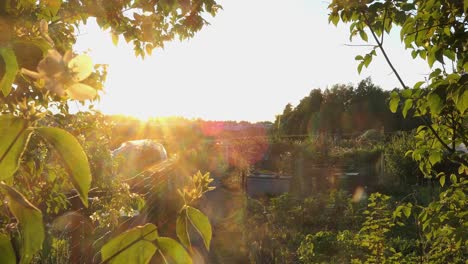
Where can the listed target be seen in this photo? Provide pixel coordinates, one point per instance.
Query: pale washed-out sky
(254, 58)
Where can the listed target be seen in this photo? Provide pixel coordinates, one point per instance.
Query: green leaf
(453, 178)
(74, 158)
(52, 6)
(367, 60)
(334, 19)
(201, 224)
(360, 67)
(407, 106)
(7, 253)
(435, 157)
(132, 246)
(172, 251)
(465, 5)
(182, 229)
(419, 84)
(14, 137)
(461, 101)
(115, 38)
(431, 58)
(11, 69)
(439, 55)
(363, 35)
(30, 223)
(435, 103)
(407, 211)
(41, 44)
(394, 101)
(149, 49)
(442, 180)
(406, 93)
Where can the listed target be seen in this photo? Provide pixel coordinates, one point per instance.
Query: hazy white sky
(254, 58)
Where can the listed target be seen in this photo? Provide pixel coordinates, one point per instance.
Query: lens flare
(359, 194)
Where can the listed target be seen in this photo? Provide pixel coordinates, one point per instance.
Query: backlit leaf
(406, 93)
(407, 106)
(115, 38)
(30, 222)
(407, 211)
(334, 19)
(360, 67)
(201, 224)
(453, 178)
(435, 103)
(394, 101)
(461, 101)
(363, 35)
(81, 67)
(7, 253)
(172, 251)
(132, 246)
(418, 85)
(52, 6)
(11, 68)
(81, 92)
(14, 137)
(435, 157)
(442, 180)
(74, 158)
(182, 229)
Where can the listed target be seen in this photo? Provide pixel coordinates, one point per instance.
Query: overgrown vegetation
(413, 226)
(64, 202)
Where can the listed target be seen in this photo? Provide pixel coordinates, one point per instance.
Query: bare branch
(361, 45)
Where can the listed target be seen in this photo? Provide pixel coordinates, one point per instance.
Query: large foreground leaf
(182, 229)
(30, 222)
(7, 253)
(14, 137)
(201, 224)
(172, 252)
(11, 69)
(199, 221)
(132, 246)
(73, 156)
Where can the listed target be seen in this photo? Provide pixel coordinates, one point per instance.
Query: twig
(361, 45)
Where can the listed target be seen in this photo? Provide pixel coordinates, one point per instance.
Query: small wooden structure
(260, 185)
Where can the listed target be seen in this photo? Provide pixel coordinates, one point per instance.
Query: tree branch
(426, 122)
(419, 30)
(360, 45)
(383, 25)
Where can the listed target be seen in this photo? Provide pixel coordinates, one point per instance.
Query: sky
(254, 58)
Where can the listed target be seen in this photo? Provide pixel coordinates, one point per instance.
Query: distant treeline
(341, 110)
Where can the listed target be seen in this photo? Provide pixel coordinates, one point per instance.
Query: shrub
(400, 168)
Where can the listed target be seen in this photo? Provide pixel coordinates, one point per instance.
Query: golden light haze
(254, 58)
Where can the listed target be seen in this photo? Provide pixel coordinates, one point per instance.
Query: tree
(436, 31)
(40, 74)
(342, 109)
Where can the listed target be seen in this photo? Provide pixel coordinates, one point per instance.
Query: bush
(399, 168)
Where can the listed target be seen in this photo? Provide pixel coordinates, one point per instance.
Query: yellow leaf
(81, 92)
(81, 67)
